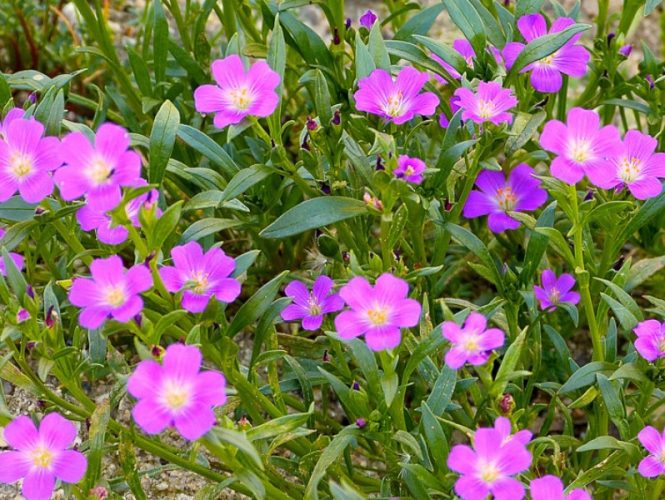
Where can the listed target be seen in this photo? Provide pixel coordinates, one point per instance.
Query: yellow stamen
(630, 169)
(506, 198)
(486, 109)
(580, 150)
(99, 171)
(199, 283)
(489, 473)
(175, 396)
(378, 316)
(20, 165)
(115, 296)
(241, 98)
(41, 457)
(393, 106)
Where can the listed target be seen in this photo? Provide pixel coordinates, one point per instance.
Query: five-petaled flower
(175, 393)
(312, 306)
(41, 456)
(472, 342)
(397, 101)
(27, 159)
(112, 292)
(555, 290)
(551, 488)
(582, 146)
(650, 342)
(378, 312)
(498, 196)
(654, 442)
(571, 59)
(98, 168)
(201, 276)
(410, 169)
(488, 467)
(238, 93)
(637, 166)
(490, 103)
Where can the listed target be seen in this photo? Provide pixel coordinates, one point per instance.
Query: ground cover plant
(351, 262)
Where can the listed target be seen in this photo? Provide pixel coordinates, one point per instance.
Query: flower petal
(57, 432)
(21, 433)
(70, 466)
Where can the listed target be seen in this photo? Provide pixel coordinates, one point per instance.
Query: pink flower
(410, 169)
(581, 145)
(551, 488)
(98, 169)
(489, 104)
(112, 292)
(637, 166)
(27, 159)
(396, 101)
(504, 427)
(22, 315)
(312, 306)
(41, 455)
(571, 59)
(201, 276)
(463, 48)
(654, 442)
(650, 341)
(471, 343)
(377, 312)
(18, 259)
(488, 466)
(12, 115)
(498, 196)
(368, 19)
(175, 393)
(91, 219)
(555, 290)
(238, 93)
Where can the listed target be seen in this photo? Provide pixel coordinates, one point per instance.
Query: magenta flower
(91, 219)
(98, 169)
(571, 59)
(112, 292)
(27, 159)
(18, 259)
(471, 343)
(454, 108)
(11, 115)
(551, 488)
(504, 427)
(581, 145)
(22, 315)
(378, 311)
(368, 19)
(41, 455)
(520, 193)
(463, 48)
(201, 276)
(650, 342)
(555, 290)
(312, 306)
(637, 166)
(489, 104)
(625, 50)
(238, 93)
(397, 101)
(488, 466)
(654, 442)
(175, 393)
(410, 169)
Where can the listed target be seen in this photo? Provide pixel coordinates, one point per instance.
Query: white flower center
(409, 171)
(579, 150)
(175, 395)
(394, 105)
(548, 61)
(41, 457)
(99, 171)
(199, 282)
(471, 343)
(489, 473)
(313, 306)
(554, 295)
(378, 315)
(506, 198)
(630, 169)
(115, 296)
(241, 97)
(486, 109)
(21, 165)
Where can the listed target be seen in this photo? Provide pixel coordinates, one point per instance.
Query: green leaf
(14, 277)
(205, 227)
(639, 272)
(278, 426)
(160, 40)
(237, 440)
(442, 391)
(166, 225)
(624, 297)
(611, 397)
(608, 443)
(435, 438)
(363, 60)
(245, 179)
(420, 24)
(314, 214)
(162, 140)
(15, 209)
(257, 304)
(544, 46)
(446, 53)
(330, 455)
(623, 314)
(650, 6)
(524, 7)
(508, 364)
(389, 384)
(523, 129)
(203, 144)
(586, 375)
(98, 423)
(322, 98)
(477, 247)
(377, 48)
(537, 245)
(467, 19)
(277, 61)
